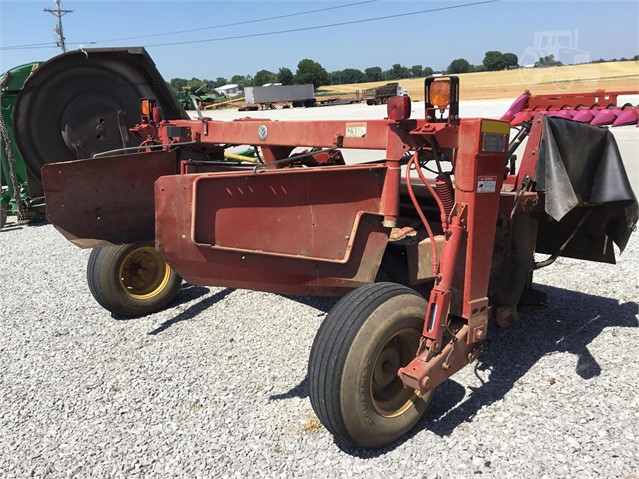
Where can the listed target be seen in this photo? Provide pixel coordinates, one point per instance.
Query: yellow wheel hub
(390, 397)
(143, 273)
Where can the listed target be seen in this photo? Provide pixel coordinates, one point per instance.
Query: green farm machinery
(21, 193)
(202, 98)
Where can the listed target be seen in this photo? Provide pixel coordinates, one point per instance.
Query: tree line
(310, 71)
(493, 61)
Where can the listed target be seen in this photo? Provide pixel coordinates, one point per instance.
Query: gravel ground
(214, 386)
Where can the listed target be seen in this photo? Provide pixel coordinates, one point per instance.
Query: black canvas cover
(579, 168)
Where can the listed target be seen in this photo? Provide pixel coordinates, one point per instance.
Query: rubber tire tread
(102, 291)
(334, 339)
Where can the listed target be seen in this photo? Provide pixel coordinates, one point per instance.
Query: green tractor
(21, 194)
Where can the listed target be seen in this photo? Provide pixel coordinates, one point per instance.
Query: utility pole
(58, 29)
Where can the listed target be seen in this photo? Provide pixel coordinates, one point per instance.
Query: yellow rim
(389, 396)
(143, 273)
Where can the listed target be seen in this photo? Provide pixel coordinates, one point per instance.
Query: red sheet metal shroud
(292, 231)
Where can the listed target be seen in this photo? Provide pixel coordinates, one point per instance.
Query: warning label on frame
(486, 184)
(355, 130)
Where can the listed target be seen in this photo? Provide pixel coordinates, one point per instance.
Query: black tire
(3, 216)
(353, 395)
(131, 280)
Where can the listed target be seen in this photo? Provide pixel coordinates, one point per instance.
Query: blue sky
(605, 29)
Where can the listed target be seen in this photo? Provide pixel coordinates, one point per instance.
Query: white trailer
(298, 95)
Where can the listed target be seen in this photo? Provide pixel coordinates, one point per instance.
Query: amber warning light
(439, 93)
(147, 105)
(442, 94)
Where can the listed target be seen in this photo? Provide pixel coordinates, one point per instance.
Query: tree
(397, 72)
(285, 76)
(427, 71)
(220, 81)
(460, 65)
(309, 71)
(348, 75)
(416, 71)
(239, 80)
(548, 61)
(264, 76)
(510, 61)
(178, 83)
(373, 74)
(493, 61)
(195, 83)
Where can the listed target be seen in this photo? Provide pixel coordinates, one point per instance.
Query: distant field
(612, 76)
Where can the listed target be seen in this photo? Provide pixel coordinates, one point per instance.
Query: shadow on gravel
(190, 293)
(299, 391)
(29, 223)
(12, 227)
(323, 303)
(38, 222)
(571, 322)
(185, 294)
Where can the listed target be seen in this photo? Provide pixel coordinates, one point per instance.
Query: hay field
(611, 76)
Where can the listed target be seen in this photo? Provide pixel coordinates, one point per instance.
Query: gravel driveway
(215, 385)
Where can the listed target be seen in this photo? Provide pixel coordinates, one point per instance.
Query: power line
(317, 27)
(279, 32)
(58, 30)
(30, 45)
(307, 12)
(245, 22)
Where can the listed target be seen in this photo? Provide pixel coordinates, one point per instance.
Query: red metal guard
(222, 229)
(462, 282)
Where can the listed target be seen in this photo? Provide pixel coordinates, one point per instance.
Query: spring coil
(446, 192)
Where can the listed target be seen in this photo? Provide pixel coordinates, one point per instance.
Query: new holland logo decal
(262, 133)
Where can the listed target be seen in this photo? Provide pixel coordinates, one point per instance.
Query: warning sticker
(494, 143)
(355, 130)
(486, 184)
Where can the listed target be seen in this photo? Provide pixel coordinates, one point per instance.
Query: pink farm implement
(598, 108)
